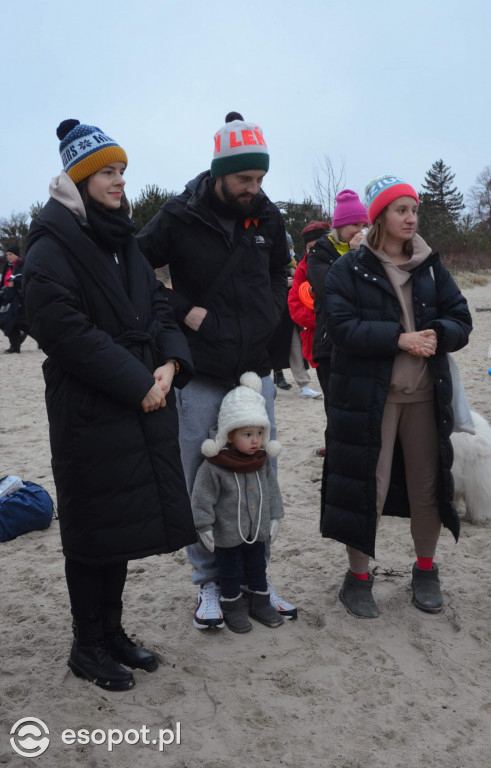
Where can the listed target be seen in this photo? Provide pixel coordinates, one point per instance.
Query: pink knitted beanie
(349, 209)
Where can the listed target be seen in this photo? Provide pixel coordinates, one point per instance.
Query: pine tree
(444, 198)
(149, 202)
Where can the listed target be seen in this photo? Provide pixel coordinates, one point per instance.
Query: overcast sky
(381, 86)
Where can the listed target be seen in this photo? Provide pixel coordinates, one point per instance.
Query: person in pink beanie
(349, 218)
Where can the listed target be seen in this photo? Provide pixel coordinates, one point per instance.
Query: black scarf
(110, 228)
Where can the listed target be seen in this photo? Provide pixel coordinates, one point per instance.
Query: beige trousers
(297, 366)
(414, 424)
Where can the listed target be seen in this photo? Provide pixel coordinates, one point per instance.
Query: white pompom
(273, 449)
(210, 448)
(251, 380)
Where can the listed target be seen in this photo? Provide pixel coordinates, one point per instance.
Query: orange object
(306, 296)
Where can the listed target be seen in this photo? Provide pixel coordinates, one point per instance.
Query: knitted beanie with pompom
(243, 406)
(239, 146)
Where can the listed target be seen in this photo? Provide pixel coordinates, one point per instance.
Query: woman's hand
(153, 400)
(419, 343)
(355, 241)
(164, 376)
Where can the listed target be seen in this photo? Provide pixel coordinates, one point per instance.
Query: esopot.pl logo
(29, 737)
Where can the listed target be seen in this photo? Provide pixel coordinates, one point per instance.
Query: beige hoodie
(411, 380)
(64, 191)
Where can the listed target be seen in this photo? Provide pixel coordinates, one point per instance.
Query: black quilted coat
(363, 320)
(188, 235)
(118, 475)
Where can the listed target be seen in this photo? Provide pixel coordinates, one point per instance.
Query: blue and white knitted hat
(85, 149)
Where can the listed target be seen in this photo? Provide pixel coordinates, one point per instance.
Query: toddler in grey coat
(237, 505)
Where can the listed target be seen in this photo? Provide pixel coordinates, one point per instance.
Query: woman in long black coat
(114, 354)
(393, 311)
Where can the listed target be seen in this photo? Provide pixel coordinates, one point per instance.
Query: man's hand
(195, 317)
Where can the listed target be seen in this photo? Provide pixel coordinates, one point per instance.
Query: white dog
(471, 470)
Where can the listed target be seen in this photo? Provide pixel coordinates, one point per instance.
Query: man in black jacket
(225, 244)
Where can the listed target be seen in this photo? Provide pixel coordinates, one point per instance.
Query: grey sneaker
(427, 594)
(356, 596)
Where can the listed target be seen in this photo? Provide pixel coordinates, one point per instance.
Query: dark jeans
(244, 561)
(94, 590)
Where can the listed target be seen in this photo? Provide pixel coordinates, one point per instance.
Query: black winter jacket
(119, 480)
(363, 320)
(187, 235)
(321, 258)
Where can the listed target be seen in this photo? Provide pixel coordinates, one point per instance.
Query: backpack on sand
(29, 508)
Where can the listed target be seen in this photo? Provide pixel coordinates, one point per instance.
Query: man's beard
(244, 207)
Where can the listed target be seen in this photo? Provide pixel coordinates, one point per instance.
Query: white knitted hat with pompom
(243, 406)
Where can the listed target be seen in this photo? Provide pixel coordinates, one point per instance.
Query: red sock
(361, 576)
(425, 563)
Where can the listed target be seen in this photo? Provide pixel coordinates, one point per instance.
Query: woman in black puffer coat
(393, 312)
(114, 353)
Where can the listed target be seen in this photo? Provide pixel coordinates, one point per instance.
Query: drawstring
(246, 541)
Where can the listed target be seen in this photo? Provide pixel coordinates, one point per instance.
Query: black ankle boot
(260, 608)
(280, 381)
(356, 596)
(94, 663)
(124, 650)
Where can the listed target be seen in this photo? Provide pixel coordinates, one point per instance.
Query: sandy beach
(325, 690)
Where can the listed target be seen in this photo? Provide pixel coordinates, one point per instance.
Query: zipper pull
(116, 258)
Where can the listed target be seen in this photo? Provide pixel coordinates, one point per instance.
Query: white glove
(273, 531)
(207, 539)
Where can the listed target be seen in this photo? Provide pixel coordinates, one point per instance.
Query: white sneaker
(208, 612)
(307, 392)
(286, 609)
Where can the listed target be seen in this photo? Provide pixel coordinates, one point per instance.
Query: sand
(326, 690)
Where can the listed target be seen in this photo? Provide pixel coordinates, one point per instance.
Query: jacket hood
(64, 190)
(421, 251)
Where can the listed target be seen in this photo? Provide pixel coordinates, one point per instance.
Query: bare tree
(480, 198)
(327, 183)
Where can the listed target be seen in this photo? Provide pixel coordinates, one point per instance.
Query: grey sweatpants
(198, 405)
(414, 424)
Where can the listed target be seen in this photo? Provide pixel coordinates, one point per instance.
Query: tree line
(461, 233)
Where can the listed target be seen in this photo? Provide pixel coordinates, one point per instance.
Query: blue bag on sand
(29, 508)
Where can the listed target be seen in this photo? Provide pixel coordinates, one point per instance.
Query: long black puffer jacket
(188, 235)
(363, 320)
(118, 475)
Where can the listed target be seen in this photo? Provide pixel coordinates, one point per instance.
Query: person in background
(225, 244)
(349, 218)
(12, 315)
(288, 333)
(393, 312)
(114, 355)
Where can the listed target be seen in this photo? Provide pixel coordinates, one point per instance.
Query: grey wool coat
(215, 503)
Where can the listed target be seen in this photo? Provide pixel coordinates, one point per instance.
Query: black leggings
(94, 588)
